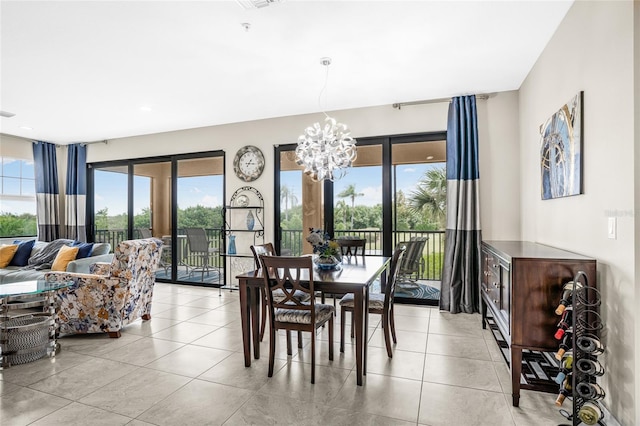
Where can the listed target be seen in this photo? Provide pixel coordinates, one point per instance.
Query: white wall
(592, 50)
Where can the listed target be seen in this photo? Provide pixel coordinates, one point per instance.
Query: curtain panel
(47, 194)
(76, 193)
(461, 271)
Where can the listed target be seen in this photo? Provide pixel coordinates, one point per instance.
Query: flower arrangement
(323, 245)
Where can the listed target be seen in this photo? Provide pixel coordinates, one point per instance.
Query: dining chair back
(379, 303)
(291, 276)
(259, 249)
(352, 246)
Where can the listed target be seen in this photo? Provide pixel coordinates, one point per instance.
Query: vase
(232, 244)
(327, 262)
(251, 221)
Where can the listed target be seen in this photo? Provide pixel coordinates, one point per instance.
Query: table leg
(245, 318)
(358, 301)
(255, 298)
(516, 371)
(365, 344)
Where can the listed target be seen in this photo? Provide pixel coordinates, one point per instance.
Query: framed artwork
(561, 151)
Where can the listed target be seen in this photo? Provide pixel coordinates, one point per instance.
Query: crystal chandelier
(326, 151)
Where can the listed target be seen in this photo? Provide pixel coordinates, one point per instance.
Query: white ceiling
(81, 71)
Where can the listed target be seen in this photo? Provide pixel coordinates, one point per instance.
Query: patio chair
(412, 262)
(291, 276)
(379, 303)
(144, 233)
(199, 245)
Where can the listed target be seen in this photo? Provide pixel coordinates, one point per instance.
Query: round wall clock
(248, 163)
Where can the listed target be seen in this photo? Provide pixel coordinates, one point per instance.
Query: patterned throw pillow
(23, 253)
(6, 254)
(65, 255)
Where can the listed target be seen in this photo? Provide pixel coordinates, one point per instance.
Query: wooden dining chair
(379, 303)
(351, 246)
(268, 250)
(284, 278)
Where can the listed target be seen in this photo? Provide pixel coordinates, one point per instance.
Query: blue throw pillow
(84, 249)
(22, 254)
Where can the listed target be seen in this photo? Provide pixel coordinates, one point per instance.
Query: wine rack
(585, 348)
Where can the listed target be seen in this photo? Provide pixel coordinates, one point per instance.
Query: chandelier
(326, 151)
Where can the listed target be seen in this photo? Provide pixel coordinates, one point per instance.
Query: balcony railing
(432, 255)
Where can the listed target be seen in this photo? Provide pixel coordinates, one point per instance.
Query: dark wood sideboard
(521, 287)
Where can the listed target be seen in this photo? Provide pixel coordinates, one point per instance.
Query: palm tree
(350, 192)
(431, 195)
(287, 195)
(341, 208)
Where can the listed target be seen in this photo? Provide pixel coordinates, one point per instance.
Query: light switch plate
(611, 228)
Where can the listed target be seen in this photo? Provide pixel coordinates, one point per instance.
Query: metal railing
(185, 256)
(432, 255)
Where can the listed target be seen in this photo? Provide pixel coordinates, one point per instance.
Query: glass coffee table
(28, 336)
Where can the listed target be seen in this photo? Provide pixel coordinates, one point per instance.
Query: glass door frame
(130, 164)
(388, 198)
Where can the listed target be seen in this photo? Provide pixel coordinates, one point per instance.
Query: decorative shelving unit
(243, 227)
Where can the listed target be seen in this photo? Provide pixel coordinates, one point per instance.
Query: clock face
(248, 163)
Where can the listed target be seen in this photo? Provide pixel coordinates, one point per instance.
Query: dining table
(353, 275)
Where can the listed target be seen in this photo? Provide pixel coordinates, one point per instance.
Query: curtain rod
(399, 105)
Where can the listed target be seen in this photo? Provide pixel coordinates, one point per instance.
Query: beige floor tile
(217, 317)
(463, 347)
(528, 417)
(404, 364)
(504, 375)
(147, 328)
(27, 405)
(381, 395)
(132, 397)
(411, 323)
(407, 341)
(455, 327)
(472, 318)
(143, 351)
(342, 417)
(262, 409)
(222, 338)
(158, 307)
(190, 360)
(198, 403)
(180, 299)
(185, 332)
(294, 381)
(26, 374)
(95, 344)
(78, 414)
(463, 372)
(413, 310)
(232, 372)
(6, 387)
(180, 313)
(441, 405)
(211, 302)
(137, 422)
(538, 401)
(76, 382)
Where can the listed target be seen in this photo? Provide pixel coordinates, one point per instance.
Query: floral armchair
(112, 295)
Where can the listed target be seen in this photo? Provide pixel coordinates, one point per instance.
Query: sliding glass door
(169, 198)
(394, 193)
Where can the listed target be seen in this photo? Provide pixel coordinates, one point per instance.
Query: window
(17, 198)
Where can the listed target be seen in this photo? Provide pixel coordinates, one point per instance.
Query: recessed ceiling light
(6, 114)
(145, 108)
(26, 128)
(430, 157)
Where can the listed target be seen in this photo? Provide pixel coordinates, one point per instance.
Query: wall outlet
(611, 228)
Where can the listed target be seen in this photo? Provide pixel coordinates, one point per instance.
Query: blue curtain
(76, 193)
(461, 271)
(47, 194)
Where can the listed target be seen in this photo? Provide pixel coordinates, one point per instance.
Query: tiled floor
(185, 367)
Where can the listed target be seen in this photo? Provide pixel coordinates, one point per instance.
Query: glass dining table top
(32, 287)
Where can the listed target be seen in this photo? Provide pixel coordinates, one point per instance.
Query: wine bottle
(567, 363)
(564, 324)
(591, 367)
(590, 413)
(565, 345)
(591, 391)
(564, 392)
(590, 345)
(567, 292)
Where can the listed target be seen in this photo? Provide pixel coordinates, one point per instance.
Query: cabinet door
(505, 293)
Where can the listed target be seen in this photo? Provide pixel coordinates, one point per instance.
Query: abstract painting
(561, 151)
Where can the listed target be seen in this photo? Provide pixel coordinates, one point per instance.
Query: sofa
(10, 274)
(112, 295)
